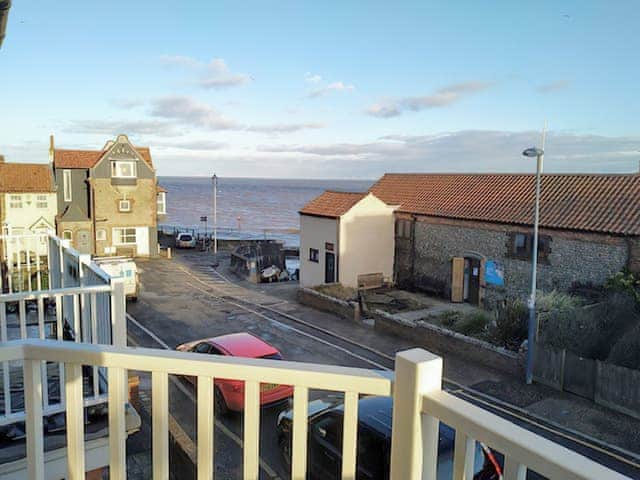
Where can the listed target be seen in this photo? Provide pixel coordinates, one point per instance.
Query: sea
(247, 208)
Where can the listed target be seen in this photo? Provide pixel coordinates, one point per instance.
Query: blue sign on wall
(494, 273)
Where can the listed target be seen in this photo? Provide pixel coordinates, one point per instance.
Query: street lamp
(214, 180)
(533, 327)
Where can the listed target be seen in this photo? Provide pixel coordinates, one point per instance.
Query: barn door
(457, 279)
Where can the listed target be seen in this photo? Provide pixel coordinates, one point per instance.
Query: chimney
(1, 158)
(51, 148)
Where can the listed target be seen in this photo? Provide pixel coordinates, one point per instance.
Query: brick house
(468, 237)
(109, 200)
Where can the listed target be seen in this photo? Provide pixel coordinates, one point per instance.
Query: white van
(185, 240)
(122, 267)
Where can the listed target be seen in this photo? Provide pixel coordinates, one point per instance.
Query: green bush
(473, 324)
(626, 351)
(625, 282)
(510, 327)
(449, 318)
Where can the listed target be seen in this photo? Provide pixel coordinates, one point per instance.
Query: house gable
(122, 150)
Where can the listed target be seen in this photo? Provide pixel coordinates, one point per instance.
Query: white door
(142, 240)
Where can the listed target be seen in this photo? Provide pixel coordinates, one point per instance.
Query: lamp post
(214, 180)
(532, 326)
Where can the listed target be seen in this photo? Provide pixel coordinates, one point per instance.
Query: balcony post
(118, 313)
(33, 412)
(414, 440)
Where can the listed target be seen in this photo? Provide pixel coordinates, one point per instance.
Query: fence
(79, 302)
(606, 384)
(419, 405)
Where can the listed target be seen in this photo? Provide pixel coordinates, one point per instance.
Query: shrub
(626, 282)
(626, 352)
(449, 318)
(473, 324)
(510, 327)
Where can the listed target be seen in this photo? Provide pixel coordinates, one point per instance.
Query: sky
(329, 89)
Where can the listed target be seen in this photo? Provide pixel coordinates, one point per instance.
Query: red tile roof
(88, 158)
(26, 177)
(332, 204)
(597, 203)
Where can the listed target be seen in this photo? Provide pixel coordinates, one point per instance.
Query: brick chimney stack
(51, 148)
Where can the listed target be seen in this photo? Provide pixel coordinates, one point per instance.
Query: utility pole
(214, 179)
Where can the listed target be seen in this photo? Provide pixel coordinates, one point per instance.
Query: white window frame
(122, 203)
(116, 171)
(117, 236)
(67, 235)
(42, 201)
(162, 203)
(101, 235)
(66, 185)
(15, 201)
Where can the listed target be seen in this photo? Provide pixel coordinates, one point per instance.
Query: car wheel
(221, 405)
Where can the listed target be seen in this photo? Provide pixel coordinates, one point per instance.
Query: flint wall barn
(468, 237)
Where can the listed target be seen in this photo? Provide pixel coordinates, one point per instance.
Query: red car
(229, 394)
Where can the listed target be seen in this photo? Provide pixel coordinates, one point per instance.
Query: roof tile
(586, 202)
(26, 177)
(332, 204)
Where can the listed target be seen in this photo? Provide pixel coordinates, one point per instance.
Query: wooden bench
(369, 281)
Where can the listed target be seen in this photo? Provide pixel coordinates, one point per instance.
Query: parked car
(122, 267)
(229, 394)
(185, 240)
(374, 442)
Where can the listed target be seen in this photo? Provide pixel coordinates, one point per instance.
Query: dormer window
(123, 169)
(124, 205)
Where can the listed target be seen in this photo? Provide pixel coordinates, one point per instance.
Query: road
(185, 300)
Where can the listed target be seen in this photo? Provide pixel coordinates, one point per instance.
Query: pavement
(173, 307)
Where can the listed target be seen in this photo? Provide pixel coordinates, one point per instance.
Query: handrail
(316, 376)
(34, 295)
(517, 444)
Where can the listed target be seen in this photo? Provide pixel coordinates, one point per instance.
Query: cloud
(441, 98)
(331, 87)
(212, 75)
(553, 86)
(193, 145)
(190, 111)
(115, 127)
(312, 78)
(126, 103)
(218, 75)
(468, 151)
(187, 110)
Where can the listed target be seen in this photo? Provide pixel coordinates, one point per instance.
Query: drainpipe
(5, 5)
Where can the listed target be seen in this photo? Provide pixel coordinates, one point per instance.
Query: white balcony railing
(419, 405)
(54, 292)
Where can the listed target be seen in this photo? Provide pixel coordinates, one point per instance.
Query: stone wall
(319, 301)
(446, 342)
(583, 258)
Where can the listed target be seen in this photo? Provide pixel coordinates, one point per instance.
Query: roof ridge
(506, 174)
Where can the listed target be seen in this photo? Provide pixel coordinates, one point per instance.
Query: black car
(374, 442)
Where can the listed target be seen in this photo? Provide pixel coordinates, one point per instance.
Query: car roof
(376, 413)
(243, 344)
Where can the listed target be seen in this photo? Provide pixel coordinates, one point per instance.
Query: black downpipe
(5, 5)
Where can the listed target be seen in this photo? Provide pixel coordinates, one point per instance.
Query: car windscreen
(186, 238)
(272, 356)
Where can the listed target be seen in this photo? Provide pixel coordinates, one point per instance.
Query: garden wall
(348, 310)
(443, 341)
